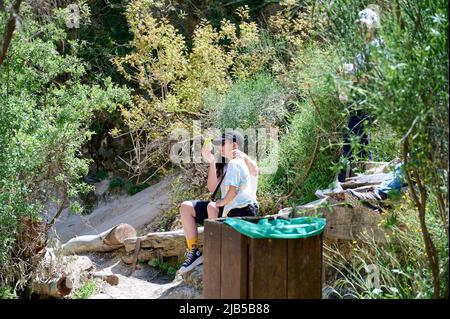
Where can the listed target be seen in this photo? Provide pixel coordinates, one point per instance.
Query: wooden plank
(267, 269)
(365, 180)
(212, 259)
(234, 258)
(304, 269)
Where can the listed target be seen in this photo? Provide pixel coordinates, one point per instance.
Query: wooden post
(212, 259)
(304, 268)
(233, 270)
(267, 268)
(236, 266)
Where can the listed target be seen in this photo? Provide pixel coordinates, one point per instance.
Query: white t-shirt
(239, 176)
(254, 186)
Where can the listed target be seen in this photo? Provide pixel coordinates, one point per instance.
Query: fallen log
(109, 240)
(167, 244)
(50, 278)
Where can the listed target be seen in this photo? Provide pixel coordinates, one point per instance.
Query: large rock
(186, 286)
(343, 221)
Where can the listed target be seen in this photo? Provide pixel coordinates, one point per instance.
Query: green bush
(132, 188)
(384, 143)
(116, 183)
(407, 92)
(119, 184)
(310, 144)
(303, 167)
(101, 175)
(45, 110)
(253, 103)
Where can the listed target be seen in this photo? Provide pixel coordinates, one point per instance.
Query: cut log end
(118, 235)
(58, 287)
(64, 286)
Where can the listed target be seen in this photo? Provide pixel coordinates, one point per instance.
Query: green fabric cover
(302, 227)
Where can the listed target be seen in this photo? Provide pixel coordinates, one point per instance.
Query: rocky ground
(145, 282)
(139, 210)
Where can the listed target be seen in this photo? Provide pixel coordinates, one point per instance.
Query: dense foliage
(137, 70)
(45, 110)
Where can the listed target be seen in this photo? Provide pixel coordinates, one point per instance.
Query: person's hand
(238, 154)
(219, 203)
(207, 155)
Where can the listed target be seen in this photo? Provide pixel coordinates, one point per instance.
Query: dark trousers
(356, 128)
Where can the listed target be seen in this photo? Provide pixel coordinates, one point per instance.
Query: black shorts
(201, 211)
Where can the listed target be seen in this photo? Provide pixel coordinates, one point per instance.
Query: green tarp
(302, 227)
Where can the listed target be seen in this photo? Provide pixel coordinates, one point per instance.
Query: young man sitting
(238, 182)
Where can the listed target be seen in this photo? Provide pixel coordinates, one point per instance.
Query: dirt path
(143, 283)
(137, 210)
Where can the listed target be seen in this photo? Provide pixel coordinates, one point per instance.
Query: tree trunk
(167, 244)
(9, 29)
(420, 201)
(109, 240)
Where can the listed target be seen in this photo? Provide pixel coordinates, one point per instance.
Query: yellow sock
(192, 243)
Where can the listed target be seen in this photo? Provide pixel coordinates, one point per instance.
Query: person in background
(357, 72)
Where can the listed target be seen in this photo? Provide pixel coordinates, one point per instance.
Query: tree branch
(60, 209)
(399, 15)
(420, 201)
(9, 29)
(418, 21)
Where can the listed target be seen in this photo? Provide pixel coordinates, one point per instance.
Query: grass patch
(396, 269)
(166, 268)
(86, 290)
(7, 293)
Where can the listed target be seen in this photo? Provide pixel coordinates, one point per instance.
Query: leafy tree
(45, 109)
(407, 91)
(173, 78)
(410, 93)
